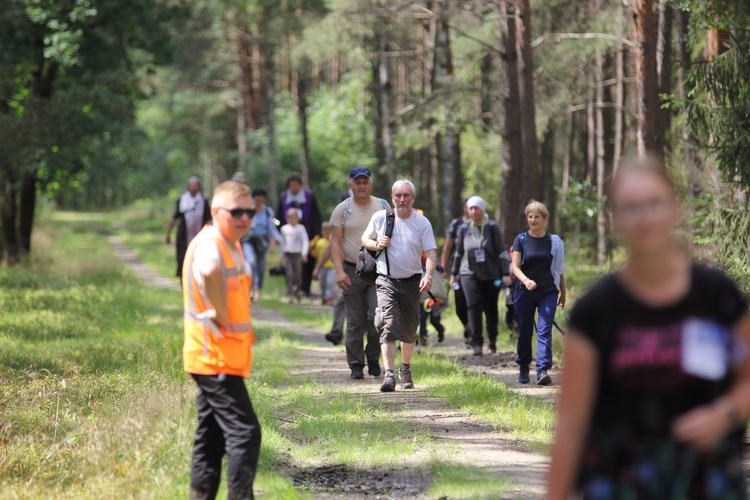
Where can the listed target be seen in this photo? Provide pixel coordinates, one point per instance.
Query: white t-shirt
(207, 251)
(295, 239)
(411, 237)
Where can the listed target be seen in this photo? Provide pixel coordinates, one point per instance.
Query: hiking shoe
(423, 340)
(493, 348)
(542, 378)
(389, 382)
(477, 350)
(441, 336)
(523, 375)
(373, 368)
(357, 372)
(405, 375)
(333, 338)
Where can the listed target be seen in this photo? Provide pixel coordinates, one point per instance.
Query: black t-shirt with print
(655, 364)
(537, 259)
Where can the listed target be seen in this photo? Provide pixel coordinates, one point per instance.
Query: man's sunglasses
(236, 213)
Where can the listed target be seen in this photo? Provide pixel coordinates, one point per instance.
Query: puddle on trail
(339, 479)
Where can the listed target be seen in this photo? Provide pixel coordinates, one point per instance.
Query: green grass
(465, 482)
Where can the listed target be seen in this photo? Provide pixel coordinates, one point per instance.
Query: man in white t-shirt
(348, 221)
(400, 282)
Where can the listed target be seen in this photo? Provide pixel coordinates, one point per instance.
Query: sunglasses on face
(237, 213)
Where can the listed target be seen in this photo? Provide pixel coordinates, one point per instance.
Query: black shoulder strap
(390, 221)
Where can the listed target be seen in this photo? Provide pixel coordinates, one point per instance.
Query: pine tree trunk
(530, 146)
(591, 130)
(650, 134)
(512, 221)
(384, 128)
(304, 146)
(664, 65)
(9, 217)
(601, 221)
(26, 210)
(547, 177)
(619, 103)
(269, 69)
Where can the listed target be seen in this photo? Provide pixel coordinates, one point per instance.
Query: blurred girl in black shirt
(656, 387)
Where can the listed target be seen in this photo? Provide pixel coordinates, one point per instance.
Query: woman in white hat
(483, 265)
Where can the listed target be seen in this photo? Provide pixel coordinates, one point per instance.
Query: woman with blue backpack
(539, 266)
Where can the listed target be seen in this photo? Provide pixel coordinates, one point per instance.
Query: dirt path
(472, 443)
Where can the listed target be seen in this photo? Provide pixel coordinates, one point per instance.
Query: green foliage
(724, 229)
(578, 215)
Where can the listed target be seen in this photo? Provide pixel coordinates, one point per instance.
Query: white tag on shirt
(479, 255)
(704, 351)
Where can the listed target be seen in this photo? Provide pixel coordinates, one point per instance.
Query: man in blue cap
(348, 222)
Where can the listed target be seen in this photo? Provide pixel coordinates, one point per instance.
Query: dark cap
(359, 172)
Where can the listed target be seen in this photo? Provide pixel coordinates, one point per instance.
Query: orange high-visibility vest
(210, 349)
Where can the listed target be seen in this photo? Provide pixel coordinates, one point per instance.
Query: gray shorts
(397, 315)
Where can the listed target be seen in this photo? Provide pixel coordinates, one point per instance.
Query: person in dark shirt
(656, 388)
(539, 265)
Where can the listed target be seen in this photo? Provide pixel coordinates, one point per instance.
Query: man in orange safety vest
(218, 347)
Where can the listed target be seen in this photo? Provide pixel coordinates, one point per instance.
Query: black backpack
(367, 259)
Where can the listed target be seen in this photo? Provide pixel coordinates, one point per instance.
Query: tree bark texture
(619, 103)
(304, 151)
(512, 220)
(664, 65)
(269, 69)
(650, 134)
(384, 151)
(526, 94)
(601, 221)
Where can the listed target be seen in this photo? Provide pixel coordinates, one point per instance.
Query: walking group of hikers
(656, 388)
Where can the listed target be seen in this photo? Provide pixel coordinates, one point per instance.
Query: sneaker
(333, 338)
(423, 340)
(373, 368)
(523, 375)
(405, 375)
(357, 372)
(477, 350)
(389, 382)
(493, 348)
(441, 336)
(542, 378)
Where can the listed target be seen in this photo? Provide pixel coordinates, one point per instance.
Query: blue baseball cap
(359, 172)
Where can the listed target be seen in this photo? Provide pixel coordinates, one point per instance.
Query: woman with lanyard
(482, 264)
(539, 265)
(656, 388)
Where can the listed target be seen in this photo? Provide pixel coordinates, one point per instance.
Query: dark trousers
(481, 297)
(226, 424)
(293, 269)
(434, 321)
(307, 272)
(528, 303)
(360, 301)
(462, 308)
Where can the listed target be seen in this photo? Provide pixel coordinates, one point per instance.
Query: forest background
(105, 102)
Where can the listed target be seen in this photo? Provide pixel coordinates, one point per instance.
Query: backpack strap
(522, 239)
(390, 221)
(347, 211)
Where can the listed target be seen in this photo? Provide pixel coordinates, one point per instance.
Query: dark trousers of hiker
(481, 297)
(360, 300)
(462, 308)
(226, 424)
(528, 303)
(293, 269)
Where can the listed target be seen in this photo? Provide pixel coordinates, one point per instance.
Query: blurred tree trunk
(683, 65)
(244, 85)
(485, 104)
(303, 74)
(453, 180)
(591, 129)
(664, 66)
(9, 216)
(27, 208)
(619, 103)
(601, 221)
(650, 133)
(547, 177)
(268, 50)
(530, 145)
(382, 91)
(512, 219)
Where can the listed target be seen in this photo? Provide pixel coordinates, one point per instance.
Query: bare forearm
(431, 263)
(445, 257)
(370, 244)
(337, 255)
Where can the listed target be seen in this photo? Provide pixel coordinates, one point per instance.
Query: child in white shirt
(295, 249)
